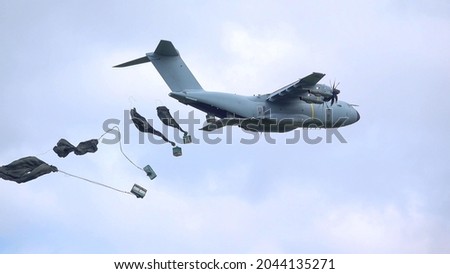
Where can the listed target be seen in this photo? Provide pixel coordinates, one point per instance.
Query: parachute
(30, 167)
(141, 123)
(25, 169)
(167, 119)
(63, 147)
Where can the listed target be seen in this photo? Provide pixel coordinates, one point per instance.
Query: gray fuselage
(281, 115)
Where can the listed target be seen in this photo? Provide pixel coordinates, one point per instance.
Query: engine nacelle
(321, 93)
(312, 99)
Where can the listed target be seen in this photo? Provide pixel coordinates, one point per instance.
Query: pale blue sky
(386, 190)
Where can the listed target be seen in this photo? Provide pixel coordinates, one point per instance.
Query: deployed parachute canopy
(165, 117)
(25, 169)
(141, 123)
(29, 168)
(63, 147)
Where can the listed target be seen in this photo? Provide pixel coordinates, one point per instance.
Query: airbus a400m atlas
(304, 103)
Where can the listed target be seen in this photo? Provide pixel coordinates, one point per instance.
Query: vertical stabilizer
(170, 66)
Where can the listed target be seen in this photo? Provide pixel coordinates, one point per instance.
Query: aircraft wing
(297, 88)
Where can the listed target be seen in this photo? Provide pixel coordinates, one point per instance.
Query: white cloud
(363, 229)
(252, 53)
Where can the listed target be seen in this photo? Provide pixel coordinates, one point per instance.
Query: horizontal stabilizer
(134, 62)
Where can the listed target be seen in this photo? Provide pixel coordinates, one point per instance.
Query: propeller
(334, 92)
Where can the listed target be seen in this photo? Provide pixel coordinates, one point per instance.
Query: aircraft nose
(357, 116)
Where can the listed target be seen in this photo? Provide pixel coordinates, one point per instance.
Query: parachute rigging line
(43, 153)
(94, 182)
(120, 144)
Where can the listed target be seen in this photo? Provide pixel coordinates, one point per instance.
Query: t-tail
(170, 66)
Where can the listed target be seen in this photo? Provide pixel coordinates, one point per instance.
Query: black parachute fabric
(141, 123)
(25, 169)
(63, 147)
(165, 117)
(29, 168)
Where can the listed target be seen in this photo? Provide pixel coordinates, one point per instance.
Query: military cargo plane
(301, 104)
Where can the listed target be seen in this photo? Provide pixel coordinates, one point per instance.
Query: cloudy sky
(384, 191)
